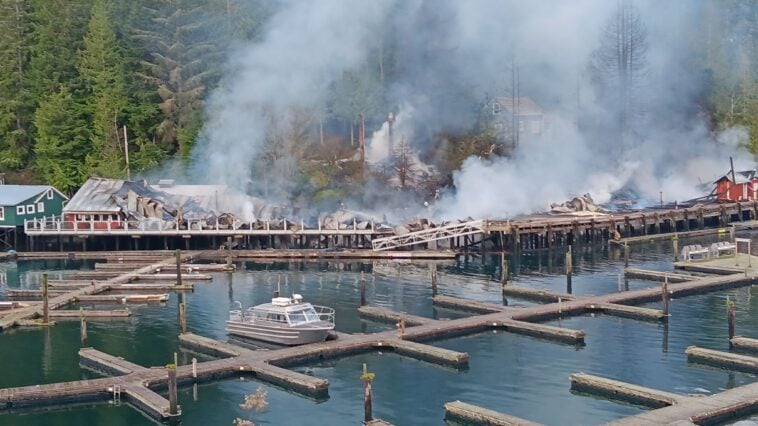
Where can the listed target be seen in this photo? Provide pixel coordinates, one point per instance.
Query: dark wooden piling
(626, 255)
(675, 244)
(362, 284)
(569, 270)
(665, 296)
(504, 269)
(183, 317)
(367, 394)
(730, 316)
(45, 304)
(172, 400)
(178, 267)
(229, 252)
(434, 279)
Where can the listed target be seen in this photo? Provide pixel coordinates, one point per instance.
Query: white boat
(284, 321)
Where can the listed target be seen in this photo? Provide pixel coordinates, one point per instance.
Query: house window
(40, 207)
(496, 108)
(20, 210)
(49, 194)
(2, 213)
(30, 208)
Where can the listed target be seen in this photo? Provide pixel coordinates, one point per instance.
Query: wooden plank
(465, 413)
(123, 298)
(467, 305)
(388, 316)
(108, 364)
(566, 335)
(625, 311)
(744, 343)
(154, 287)
(535, 294)
(90, 314)
(728, 360)
(302, 383)
(148, 401)
(428, 353)
(623, 391)
(645, 274)
(210, 346)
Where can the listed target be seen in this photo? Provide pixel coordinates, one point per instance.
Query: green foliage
(62, 136)
(15, 108)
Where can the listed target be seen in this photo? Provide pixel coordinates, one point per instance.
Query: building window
(20, 210)
(30, 208)
(2, 213)
(496, 108)
(49, 194)
(40, 207)
(535, 127)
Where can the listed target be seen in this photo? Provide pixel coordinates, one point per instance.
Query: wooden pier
(622, 391)
(271, 365)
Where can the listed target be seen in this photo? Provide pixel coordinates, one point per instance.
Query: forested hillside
(77, 77)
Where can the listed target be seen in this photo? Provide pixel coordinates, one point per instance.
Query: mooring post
(229, 252)
(626, 255)
(194, 368)
(45, 306)
(619, 283)
(569, 270)
(675, 242)
(362, 285)
(173, 408)
(434, 279)
(178, 267)
(82, 328)
(183, 317)
(730, 314)
(401, 327)
(560, 307)
(367, 379)
(503, 269)
(665, 295)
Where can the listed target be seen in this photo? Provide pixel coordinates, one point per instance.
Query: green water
(519, 375)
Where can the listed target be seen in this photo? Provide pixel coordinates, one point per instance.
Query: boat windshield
(303, 316)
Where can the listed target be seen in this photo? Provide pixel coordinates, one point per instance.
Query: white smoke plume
(449, 55)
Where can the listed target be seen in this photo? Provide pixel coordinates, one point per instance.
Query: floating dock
(464, 413)
(623, 391)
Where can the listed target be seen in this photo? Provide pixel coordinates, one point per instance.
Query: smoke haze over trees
(265, 96)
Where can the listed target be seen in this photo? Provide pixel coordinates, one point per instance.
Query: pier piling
(665, 296)
(45, 305)
(183, 317)
(362, 285)
(730, 316)
(172, 401)
(178, 267)
(569, 270)
(367, 394)
(626, 255)
(434, 279)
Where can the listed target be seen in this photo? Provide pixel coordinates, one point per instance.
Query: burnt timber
(523, 233)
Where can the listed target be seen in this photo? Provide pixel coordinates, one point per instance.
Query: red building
(745, 188)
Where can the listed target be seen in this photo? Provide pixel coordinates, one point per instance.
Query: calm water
(519, 375)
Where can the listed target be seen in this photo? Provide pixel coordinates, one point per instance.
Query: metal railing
(429, 235)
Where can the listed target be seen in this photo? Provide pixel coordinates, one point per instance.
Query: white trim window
(496, 108)
(40, 207)
(20, 210)
(49, 194)
(30, 209)
(2, 213)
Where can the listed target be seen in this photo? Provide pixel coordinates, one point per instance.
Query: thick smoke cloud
(450, 55)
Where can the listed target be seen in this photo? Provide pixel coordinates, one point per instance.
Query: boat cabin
(283, 310)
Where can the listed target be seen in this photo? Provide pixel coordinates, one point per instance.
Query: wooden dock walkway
(271, 365)
(12, 318)
(623, 391)
(469, 414)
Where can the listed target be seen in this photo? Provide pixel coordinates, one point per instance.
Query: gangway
(428, 235)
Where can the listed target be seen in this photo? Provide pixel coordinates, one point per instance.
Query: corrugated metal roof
(10, 195)
(96, 196)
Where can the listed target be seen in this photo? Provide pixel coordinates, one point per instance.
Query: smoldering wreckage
(166, 205)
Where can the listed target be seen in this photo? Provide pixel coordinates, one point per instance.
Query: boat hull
(289, 336)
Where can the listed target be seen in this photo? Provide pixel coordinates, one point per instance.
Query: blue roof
(11, 195)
